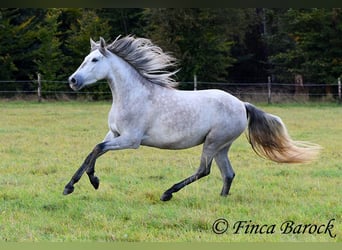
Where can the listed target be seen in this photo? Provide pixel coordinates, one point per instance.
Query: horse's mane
(147, 58)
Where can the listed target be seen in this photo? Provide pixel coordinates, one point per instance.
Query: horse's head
(94, 67)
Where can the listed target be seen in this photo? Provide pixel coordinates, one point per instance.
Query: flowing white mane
(147, 58)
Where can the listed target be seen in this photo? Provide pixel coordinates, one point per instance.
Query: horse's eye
(94, 60)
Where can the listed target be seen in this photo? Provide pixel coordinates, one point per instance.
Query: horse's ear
(93, 44)
(103, 46)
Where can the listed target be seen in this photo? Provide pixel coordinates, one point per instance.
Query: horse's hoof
(224, 194)
(68, 189)
(95, 182)
(166, 197)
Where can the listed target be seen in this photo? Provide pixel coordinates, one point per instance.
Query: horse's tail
(269, 138)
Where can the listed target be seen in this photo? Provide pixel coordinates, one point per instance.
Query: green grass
(43, 144)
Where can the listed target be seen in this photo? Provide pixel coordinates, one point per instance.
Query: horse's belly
(174, 141)
(178, 134)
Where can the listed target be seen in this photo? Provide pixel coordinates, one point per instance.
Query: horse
(147, 109)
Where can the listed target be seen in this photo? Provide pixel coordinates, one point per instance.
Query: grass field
(43, 144)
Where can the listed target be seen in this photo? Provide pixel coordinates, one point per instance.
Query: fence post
(339, 90)
(269, 90)
(195, 82)
(39, 92)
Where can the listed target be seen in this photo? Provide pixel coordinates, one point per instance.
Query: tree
(29, 43)
(123, 21)
(87, 25)
(48, 55)
(19, 41)
(6, 42)
(314, 49)
(29, 46)
(200, 38)
(250, 50)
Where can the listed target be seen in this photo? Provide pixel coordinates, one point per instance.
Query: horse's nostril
(73, 80)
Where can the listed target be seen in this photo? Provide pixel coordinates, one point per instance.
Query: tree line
(216, 44)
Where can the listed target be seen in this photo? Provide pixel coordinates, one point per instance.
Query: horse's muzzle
(75, 82)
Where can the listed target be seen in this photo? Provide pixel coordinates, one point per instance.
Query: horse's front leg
(115, 143)
(94, 180)
(88, 163)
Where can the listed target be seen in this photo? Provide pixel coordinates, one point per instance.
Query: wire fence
(267, 91)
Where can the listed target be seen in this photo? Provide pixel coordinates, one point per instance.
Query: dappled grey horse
(148, 110)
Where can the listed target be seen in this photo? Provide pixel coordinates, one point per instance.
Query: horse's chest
(119, 120)
(114, 121)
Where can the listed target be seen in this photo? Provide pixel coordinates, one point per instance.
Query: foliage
(250, 50)
(226, 44)
(314, 44)
(87, 25)
(123, 21)
(201, 38)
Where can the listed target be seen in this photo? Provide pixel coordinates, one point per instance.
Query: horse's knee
(207, 171)
(203, 173)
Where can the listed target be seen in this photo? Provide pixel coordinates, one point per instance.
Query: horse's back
(216, 104)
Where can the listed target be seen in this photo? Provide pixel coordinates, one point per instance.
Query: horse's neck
(125, 83)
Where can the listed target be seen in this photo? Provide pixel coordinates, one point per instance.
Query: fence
(267, 91)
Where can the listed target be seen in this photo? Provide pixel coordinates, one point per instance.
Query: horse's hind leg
(226, 169)
(203, 170)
